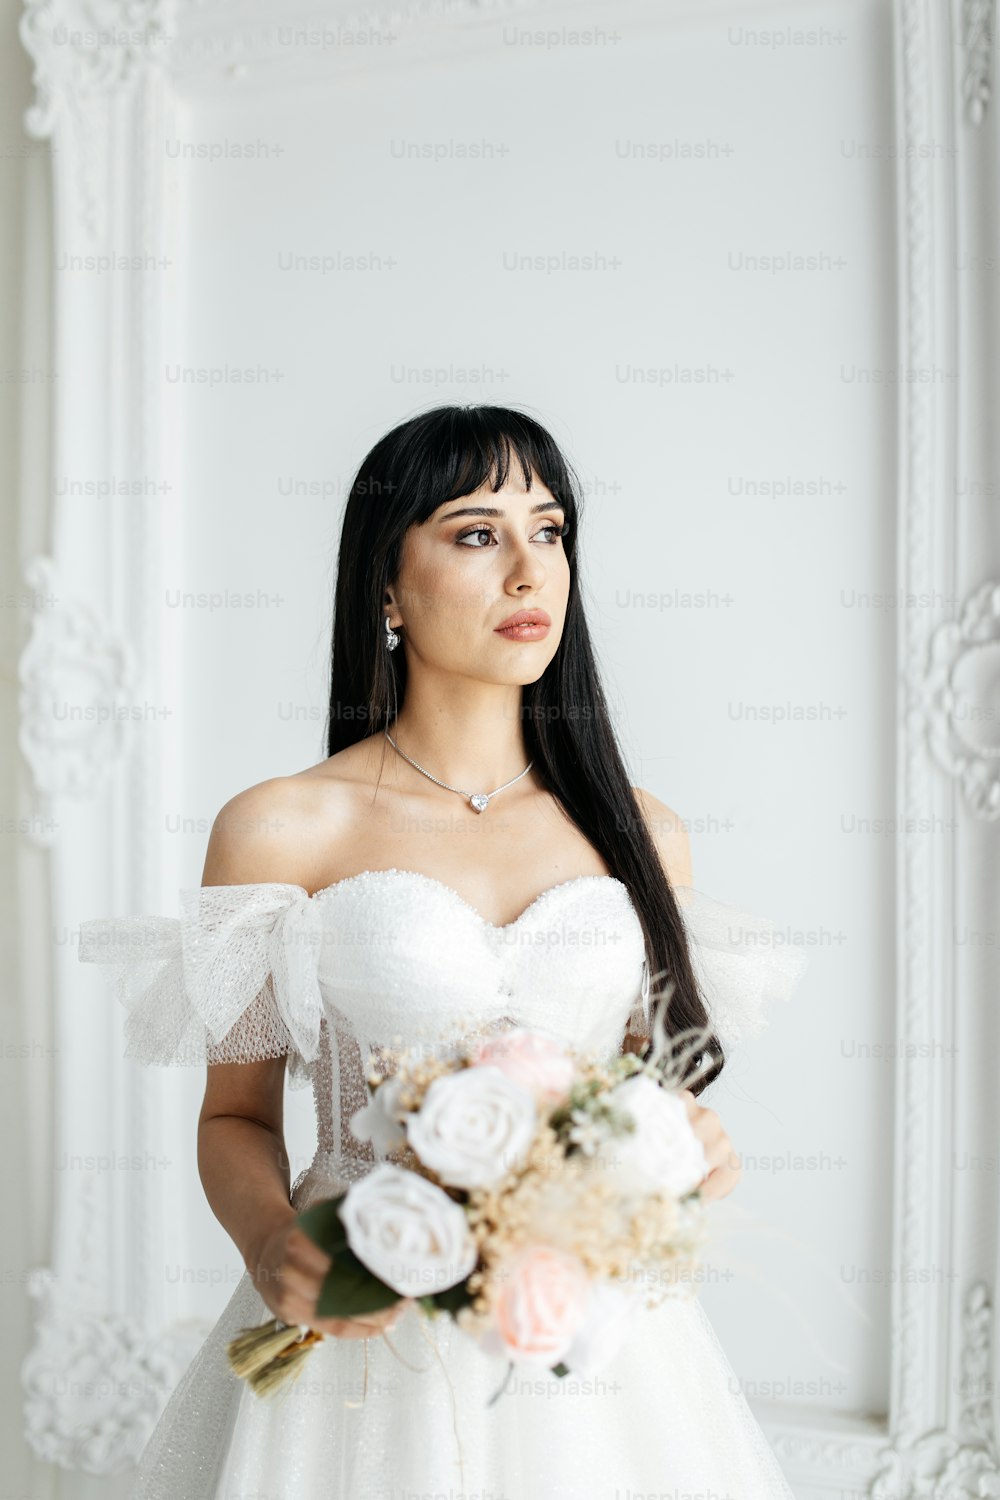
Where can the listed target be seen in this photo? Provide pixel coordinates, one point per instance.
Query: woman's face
(470, 566)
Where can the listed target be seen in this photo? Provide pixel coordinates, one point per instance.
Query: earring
(391, 638)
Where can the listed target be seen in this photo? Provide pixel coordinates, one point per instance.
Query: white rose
(407, 1231)
(473, 1126)
(662, 1153)
(379, 1120)
(600, 1335)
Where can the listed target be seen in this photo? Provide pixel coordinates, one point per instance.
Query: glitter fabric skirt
(417, 1418)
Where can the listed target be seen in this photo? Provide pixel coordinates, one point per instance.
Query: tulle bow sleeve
(233, 979)
(743, 962)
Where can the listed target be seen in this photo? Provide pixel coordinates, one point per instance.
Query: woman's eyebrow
(491, 510)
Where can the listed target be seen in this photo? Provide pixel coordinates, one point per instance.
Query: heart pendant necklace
(479, 800)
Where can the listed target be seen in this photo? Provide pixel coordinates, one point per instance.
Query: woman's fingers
(724, 1167)
(721, 1180)
(302, 1284)
(366, 1325)
(304, 1252)
(353, 1328)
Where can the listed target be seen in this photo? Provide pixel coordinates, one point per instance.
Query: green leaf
(321, 1222)
(560, 1369)
(349, 1289)
(453, 1297)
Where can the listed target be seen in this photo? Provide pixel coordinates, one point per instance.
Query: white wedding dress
(393, 956)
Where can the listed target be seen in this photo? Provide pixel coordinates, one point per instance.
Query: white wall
(561, 127)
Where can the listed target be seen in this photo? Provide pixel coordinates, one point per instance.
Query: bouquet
(535, 1196)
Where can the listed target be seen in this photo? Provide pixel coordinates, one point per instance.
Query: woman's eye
(554, 530)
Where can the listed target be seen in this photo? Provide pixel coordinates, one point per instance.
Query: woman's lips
(526, 625)
(532, 631)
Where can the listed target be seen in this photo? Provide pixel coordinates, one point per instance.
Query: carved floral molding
(76, 678)
(960, 700)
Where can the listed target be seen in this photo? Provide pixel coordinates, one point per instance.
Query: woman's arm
(242, 1157)
(242, 1160)
(244, 1170)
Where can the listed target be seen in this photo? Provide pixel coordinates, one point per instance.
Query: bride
(470, 846)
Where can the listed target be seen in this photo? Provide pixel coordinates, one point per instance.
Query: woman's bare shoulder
(667, 830)
(282, 829)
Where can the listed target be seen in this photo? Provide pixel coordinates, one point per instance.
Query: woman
(471, 845)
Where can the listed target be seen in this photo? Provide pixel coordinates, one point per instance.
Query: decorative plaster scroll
(85, 48)
(960, 700)
(94, 1383)
(86, 51)
(977, 40)
(76, 678)
(964, 1465)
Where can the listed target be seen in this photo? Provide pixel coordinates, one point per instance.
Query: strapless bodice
(402, 954)
(398, 958)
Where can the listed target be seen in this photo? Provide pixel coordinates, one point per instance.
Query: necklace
(479, 800)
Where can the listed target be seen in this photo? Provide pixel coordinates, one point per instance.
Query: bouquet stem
(270, 1356)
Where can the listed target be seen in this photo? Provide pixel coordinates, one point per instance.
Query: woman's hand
(724, 1166)
(288, 1272)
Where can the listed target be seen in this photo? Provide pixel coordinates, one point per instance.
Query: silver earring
(391, 638)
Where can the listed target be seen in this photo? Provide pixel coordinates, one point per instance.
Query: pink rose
(544, 1295)
(534, 1061)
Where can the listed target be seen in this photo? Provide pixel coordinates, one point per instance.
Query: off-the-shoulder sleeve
(233, 979)
(741, 962)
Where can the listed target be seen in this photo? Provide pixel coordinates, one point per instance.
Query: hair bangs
(477, 447)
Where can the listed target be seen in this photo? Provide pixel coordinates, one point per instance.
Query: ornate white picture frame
(107, 79)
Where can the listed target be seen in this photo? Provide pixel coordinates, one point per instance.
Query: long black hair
(435, 457)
